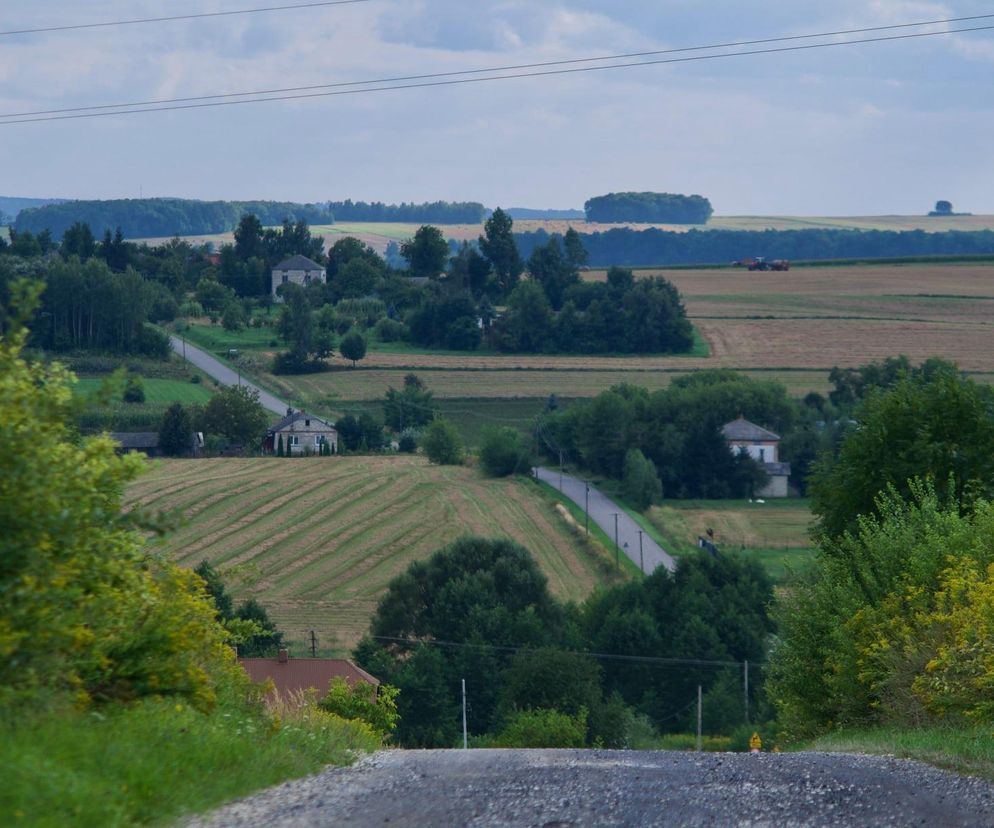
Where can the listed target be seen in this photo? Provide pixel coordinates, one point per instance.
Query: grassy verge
(553, 495)
(964, 750)
(155, 761)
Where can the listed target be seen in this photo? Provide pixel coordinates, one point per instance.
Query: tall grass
(157, 760)
(963, 749)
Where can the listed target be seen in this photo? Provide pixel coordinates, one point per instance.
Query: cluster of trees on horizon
(648, 208)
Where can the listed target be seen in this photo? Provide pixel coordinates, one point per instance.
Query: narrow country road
(223, 374)
(602, 512)
(617, 788)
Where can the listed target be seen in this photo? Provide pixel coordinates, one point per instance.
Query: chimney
(284, 656)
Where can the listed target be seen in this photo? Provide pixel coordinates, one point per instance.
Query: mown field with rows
(317, 540)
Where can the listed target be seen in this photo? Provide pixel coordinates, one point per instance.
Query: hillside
(317, 540)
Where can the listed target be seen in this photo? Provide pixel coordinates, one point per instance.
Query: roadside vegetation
(121, 702)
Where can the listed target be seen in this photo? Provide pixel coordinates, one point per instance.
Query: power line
(176, 17)
(691, 662)
(223, 99)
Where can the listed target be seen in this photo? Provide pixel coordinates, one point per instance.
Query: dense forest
(437, 212)
(162, 217)
(648, 208)
(638, 248)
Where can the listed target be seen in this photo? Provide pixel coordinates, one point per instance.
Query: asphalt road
(618, 788)
(602, 511)
(223, 374)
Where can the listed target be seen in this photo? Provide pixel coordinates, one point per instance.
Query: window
(293, 440)
(318, 439)
(307, 423)
(286, 278)
(762, 455)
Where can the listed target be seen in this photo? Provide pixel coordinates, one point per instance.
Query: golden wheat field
(317, 540)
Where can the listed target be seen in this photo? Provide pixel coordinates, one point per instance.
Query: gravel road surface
(602, 511)
(223, 374)
(615, 788)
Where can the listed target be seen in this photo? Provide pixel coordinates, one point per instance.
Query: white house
(762, 446)
(297, 270)
(302, 433)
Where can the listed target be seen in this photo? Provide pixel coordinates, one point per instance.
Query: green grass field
(775, 533)
(317, 540)
(157, 391)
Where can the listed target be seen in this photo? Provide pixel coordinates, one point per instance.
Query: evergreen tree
(175, 431)
(279, 446)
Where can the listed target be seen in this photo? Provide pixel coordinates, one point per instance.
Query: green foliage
(498, 245)
(442, 443)
(233, 317)
(937, 425)
(411, 407)
(156, 761)
(353, 346)
(504, 451)
(377, 707)
(364, 432)
(544, 729)
(648, 208)
(236, 414)
(640, 484)
(176, 431)
(86, 610)
(892, 624)
(279, 447)
(476, 591)
(134, 389)
(426, 253)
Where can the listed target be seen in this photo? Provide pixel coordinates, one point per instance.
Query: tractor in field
(762, 263)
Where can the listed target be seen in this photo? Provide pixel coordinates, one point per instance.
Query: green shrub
(377, 707)
(544, 729)
(442, 443)
(134, 390)
(504, 451)
(640, 485)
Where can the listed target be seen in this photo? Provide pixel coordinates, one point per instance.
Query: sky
(886, 128)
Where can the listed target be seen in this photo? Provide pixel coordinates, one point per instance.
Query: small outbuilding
(297, 270)
(302, 433)
(763, 446)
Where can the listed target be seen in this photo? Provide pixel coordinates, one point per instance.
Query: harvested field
(317, 540)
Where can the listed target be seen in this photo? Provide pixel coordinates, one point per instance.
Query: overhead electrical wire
(522, 66)
(176, 17)
(456, 77)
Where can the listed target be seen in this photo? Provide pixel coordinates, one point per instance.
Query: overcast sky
(871, 129)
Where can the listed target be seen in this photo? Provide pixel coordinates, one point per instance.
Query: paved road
(618, 788)
(223, 374)
(602, 511)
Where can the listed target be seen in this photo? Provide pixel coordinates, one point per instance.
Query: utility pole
(617, 549)
(465, 735)
(700, 718)
(641, 558)
(314, 645)
(560, 470)
(745, 686)
(586, 507)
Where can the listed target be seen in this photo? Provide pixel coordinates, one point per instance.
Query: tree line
(644, 248)
(164, 217)
(436, 212)
(648, 208)
(523, 654)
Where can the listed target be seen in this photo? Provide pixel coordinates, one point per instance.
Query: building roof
(136, 439)
(298, 262)
(296, 416)
(742, 429)
(294, 675)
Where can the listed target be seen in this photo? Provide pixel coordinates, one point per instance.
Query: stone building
(297, 270)
(762, 446)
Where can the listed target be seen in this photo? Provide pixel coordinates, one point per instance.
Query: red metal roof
(297, 674)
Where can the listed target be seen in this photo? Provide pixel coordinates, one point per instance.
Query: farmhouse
(297, 270)
(762, 446)
(302, 433)
(292, 676)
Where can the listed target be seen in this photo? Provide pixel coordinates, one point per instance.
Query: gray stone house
(763, 446)
(297, 270)
(302, 433)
